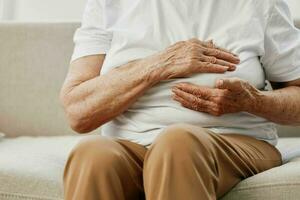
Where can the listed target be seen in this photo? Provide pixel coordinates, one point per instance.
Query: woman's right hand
(186, 58)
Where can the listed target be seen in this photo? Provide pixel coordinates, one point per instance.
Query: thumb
(234, 84)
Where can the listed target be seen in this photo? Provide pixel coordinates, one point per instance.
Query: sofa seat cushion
(280, 183)
(32, 169)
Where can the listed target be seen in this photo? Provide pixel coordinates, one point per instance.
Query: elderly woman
(181, 117)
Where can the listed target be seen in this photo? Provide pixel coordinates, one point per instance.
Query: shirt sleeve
(91, 38)
(281, 59)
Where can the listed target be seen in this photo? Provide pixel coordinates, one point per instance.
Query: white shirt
(261, 32)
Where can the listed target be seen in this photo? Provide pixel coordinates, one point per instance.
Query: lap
(243, 146)
(235, 156)
(237, 145)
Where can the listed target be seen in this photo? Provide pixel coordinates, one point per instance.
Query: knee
(173, 137)
(183, 139)
(94, 154)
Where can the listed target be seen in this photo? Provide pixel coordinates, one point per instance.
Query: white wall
(65, 10)
(6, 9)
(47, 10)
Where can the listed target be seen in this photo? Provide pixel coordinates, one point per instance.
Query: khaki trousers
(184, 162)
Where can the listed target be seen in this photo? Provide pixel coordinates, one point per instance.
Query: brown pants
(184, 162)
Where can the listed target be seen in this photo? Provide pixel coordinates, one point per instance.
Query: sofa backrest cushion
(34, 59)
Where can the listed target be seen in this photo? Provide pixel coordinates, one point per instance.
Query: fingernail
(178, 86)
(220, 82)
(233, 67)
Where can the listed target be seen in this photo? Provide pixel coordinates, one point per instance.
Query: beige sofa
(33, 63)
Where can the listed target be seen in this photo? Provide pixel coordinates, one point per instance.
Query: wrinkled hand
(230, 95)
(186, 58)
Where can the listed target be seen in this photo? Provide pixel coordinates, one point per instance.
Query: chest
(164, 22)
(143, 27)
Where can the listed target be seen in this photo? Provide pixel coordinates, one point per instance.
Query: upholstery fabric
(34, 61)
(32, 168)
(279, 183)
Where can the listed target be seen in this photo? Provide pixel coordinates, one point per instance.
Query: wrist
(259, 101)
(155, 71)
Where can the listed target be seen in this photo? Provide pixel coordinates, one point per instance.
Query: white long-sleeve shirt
(261, 32)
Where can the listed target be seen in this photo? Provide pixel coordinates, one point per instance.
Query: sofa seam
(267, 185)
(20, 196)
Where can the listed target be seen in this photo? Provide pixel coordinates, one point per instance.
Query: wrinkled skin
(230, 95)
(186, 58)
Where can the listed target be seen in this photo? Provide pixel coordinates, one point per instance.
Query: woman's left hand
(230, 95)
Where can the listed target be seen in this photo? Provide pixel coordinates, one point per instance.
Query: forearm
(95, 102)
(281, 106)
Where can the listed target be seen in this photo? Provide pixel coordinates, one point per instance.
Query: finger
(207, 67)
(210, 45)
(222, 49)
(202, 92)
(222, 65)
(198, 103)
(225, 50)
(210, 59)
(232, 67)
(221, 55)
(201, 105)
(198, 90)
(185, 103)
(214, 60)
(185, 95)
(230, 84)
(193, 100)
